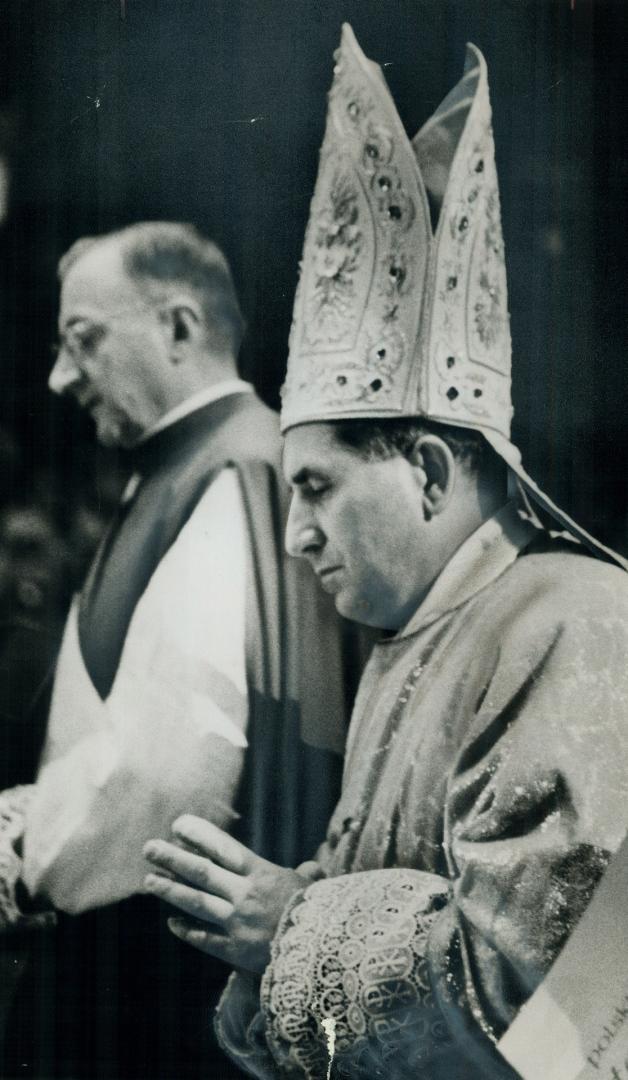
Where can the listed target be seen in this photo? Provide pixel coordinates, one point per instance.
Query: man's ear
(183, 320)
(435, 467)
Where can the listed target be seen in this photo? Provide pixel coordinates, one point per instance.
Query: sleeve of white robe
(169, 738)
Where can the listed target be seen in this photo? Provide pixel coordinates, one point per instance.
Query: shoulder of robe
(564, 588)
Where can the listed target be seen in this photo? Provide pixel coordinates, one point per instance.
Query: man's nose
(303, 535)
(65, 374)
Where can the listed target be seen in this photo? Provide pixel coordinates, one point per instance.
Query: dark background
(212, 111)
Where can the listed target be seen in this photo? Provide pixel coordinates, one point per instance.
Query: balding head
(162, 258)
(148, 318)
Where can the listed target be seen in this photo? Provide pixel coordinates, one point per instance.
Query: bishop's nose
(303, 536)
(65, 374)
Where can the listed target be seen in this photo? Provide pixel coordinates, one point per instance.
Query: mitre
(402, 307)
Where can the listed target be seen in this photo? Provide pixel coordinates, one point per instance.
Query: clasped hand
(232, 898)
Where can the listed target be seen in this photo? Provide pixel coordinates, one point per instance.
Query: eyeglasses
(82, 338)
(79, 340)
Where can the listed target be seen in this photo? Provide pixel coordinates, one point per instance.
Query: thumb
(311, 870)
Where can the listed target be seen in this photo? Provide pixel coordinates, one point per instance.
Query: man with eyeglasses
(177, 684)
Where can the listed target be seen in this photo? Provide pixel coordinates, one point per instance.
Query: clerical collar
(481, 559)
(196, 401)
(185, 425)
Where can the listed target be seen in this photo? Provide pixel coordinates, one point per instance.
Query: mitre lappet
(394, 317)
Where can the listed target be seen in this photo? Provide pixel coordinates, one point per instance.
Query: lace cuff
(349, 983)
(13, 807)
(239, 1026)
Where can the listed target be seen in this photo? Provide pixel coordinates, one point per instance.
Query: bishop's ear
(435, 467)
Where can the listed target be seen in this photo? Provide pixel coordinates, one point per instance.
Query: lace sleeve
(239, 1026)
(349, 981)
(13, 807)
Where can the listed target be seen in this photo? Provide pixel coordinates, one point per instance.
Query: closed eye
(314, 489)
(80, 338)
(310, 485)
(89, 338)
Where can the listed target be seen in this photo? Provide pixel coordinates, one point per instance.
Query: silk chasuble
(486, 763)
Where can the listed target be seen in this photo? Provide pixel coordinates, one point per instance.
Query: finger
(311, 870)
(162, 869)
(200, 905)
(195, 869)
(210, 840)
(204, 940)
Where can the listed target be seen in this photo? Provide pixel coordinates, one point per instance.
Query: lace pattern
(13, 806)
(349, 959)
(239, 1027)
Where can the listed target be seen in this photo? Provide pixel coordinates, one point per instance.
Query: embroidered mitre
(391, 318)
(401, 308)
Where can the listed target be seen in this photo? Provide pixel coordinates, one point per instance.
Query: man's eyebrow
(76, 319)
(307, 473)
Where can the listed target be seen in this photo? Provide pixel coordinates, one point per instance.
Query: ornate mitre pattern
(392, 319)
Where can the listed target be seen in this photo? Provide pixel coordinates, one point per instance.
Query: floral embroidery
(359, 297)
(336, 251)
(389, 319)
(470, 337)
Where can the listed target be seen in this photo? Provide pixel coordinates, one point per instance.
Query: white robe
(170, 736)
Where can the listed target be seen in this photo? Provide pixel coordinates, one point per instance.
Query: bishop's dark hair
(381, 439)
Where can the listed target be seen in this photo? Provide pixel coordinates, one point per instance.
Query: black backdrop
(212, 111)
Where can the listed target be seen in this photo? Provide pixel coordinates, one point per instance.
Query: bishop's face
(111, 348)
(359, 524)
